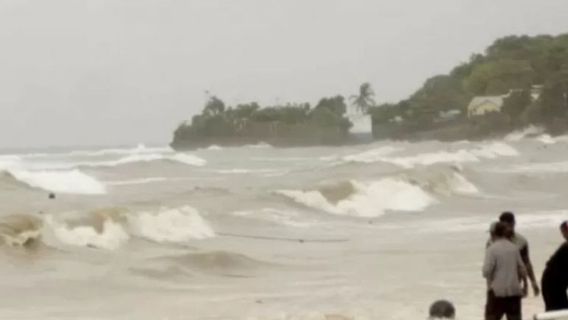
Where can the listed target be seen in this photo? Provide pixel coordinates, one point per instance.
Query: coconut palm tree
(364, 100)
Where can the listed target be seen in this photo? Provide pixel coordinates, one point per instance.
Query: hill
(511, 68)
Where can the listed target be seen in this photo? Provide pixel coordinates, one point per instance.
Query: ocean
(376, 231)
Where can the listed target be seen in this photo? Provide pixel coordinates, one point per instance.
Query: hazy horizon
(110, 73)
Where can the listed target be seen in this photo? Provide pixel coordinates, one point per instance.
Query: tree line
(510, 66)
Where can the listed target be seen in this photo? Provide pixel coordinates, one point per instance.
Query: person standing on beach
(555, 276)
(503, 268)
(508, 218)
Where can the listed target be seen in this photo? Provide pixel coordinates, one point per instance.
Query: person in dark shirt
(555, 276)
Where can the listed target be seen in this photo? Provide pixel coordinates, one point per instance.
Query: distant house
(362, 123)
(483, 105)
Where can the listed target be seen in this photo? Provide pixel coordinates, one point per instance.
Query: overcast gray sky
(121, 72)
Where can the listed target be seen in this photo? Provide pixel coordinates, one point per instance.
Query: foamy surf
(111, 236)
(445, 181)
(20, 230)
(489, 151)
(182, 158)
(64, 181)
(139, 149)
(371, 156)
(366, 199)
(110, 229)
(170, 225)
(530, 131)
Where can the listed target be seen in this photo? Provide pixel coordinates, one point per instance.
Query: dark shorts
(497, 307)
(554, 295)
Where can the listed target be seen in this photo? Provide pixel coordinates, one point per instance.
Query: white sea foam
(66, 181)
(546, 139)
(111, 237)
(488, 151)
(371, 156)
(459, 184)
(368, 199)
(446, 183)
(170, 225)
(261, 145)
(214, 148)
(177, 157)
(530, 131)
(543, 167)
(139, 149)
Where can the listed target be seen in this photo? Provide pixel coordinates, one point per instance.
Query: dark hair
(442, 309)
(564, 226)
(500, 230)
(507, 217)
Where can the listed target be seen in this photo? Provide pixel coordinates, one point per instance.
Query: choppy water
(365, 232)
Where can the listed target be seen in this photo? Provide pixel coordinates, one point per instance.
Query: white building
(362, 123)
(483, 105)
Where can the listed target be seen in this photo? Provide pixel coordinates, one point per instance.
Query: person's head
(52, 196)
(500, 231)
(564, 230)
(442, 309)
(508, 218)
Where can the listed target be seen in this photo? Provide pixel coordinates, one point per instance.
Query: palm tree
(364, 100)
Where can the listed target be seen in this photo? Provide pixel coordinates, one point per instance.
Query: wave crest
(60, 181)
(20, 230)
(170, 225)
(364, 199)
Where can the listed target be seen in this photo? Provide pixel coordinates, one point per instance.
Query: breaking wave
(359, 199)
(371, 156)
(139, 149)
(489, 151)
(111, 235)
(546, 139)
(183, 158)
(444, 181)
(535, 168)
(170, 225)
(20, 230)
(528, 132)
(64, 181)
(214, 148)
(413, 191)
(107, 229)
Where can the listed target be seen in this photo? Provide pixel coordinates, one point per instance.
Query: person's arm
(488, 265)
(522, 270)
(529, 269)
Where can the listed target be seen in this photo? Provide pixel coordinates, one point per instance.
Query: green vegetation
(289, 124)
(526, 77)
(511, 67)
(364, 100)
